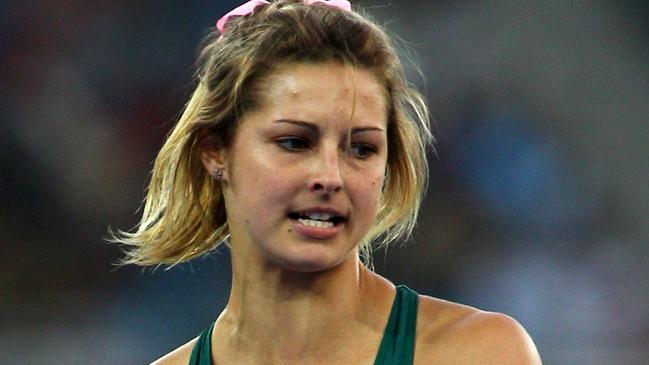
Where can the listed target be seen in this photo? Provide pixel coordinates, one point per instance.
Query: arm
(451, 333)
(179, 356)
(500, 339)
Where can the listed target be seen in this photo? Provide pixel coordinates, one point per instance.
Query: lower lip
(317, 232)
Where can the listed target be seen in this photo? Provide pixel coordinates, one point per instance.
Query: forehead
(325, 90)
(327, 75)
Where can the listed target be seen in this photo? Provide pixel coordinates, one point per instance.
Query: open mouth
(317, 219)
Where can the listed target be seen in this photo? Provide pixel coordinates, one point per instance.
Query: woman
(301, 145)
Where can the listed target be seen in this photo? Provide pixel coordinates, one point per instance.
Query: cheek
(257, 183)
(370, 192)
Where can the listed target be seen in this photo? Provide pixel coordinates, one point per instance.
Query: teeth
(315, 223)
(320, 216)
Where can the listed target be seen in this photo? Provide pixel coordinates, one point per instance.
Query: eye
(362, 150)
(293, 143)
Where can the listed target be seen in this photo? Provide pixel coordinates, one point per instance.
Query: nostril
(325, 186)
(325, 189)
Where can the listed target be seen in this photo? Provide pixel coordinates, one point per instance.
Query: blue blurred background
(538, 204)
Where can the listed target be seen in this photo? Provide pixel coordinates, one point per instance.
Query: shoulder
(454, 333)
(179, 356)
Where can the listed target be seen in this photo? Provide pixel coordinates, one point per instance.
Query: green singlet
(397, 346)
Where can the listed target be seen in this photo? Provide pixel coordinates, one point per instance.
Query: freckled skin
(274, 307)
(264, 181)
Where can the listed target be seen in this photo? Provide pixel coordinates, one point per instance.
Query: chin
(310, 260)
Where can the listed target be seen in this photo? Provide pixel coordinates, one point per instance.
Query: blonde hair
(184, 214)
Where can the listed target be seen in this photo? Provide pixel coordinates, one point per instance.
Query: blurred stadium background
(538, 204)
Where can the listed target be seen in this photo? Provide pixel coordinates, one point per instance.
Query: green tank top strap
(202, 351)
(398, 343)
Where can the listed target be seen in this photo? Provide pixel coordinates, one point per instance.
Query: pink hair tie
(241, 10)
(249, 7)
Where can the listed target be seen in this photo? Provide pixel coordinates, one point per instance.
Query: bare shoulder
(457, 334)
(179, 356)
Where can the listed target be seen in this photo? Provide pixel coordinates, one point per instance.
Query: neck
(289, 316)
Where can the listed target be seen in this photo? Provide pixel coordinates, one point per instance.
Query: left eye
(293, 143)
(362, 150)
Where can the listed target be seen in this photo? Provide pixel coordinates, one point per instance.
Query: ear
(213, 155)
(213, 158)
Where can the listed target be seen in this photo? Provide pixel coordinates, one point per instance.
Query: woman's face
(303, 175)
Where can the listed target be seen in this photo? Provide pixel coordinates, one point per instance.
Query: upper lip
(331, 210)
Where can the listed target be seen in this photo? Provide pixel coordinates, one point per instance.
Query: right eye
(292, 143)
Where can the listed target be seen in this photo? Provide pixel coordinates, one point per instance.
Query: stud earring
(217, 174)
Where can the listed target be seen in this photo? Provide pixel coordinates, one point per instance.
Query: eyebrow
(314, 128)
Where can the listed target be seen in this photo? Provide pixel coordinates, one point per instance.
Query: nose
(326, 177)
